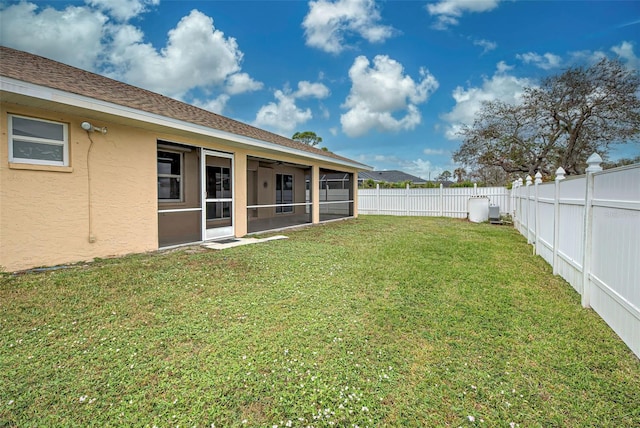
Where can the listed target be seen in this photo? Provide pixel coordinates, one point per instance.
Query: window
(169, 176)
(37, 141)
(284, 192)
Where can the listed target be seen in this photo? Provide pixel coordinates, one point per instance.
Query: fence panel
(546, 206)
(393, 203)
(447, 202)
(423, 202)
(571, 230)
(614, 276)
(588, 229)
(531, 213)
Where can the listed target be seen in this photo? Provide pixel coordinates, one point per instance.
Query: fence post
(556, 219)
(594, 162)
(509, 200)
(528, 226)
(407, 200)
(378, 197)
(514, 198)
(519, 207)
(441, 200)
(515, 190)
(520, 197)
(536, 232)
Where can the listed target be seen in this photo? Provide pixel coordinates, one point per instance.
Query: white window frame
(64, 142)
(180, 176)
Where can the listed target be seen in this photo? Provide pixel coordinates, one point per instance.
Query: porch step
(236, 242)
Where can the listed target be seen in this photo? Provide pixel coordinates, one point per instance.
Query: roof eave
(20, 87)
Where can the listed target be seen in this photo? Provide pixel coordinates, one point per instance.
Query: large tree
(307, 137)
(560, 123)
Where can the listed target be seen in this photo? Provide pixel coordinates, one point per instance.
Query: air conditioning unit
(494, 214)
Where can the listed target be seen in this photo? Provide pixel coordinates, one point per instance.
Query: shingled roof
(42, 71)
(390, 176)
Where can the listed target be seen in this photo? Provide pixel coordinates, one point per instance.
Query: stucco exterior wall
(103, 204)
(240, 192)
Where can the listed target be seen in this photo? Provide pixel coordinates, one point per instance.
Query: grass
(379, 321)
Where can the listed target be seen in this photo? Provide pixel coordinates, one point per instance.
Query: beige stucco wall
(45, 211)
(315, 195)
(240, 192)
(49, 216)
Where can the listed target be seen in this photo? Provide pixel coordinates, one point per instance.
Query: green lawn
(379, 321)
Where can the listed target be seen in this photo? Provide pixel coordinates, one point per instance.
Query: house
(93, 167)
(390, 176)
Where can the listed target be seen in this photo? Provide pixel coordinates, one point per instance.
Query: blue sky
(386, 83)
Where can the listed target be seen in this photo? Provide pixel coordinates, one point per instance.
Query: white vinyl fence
(440, 202)
(588, 229)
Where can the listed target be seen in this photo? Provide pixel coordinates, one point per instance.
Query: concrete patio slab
(236, 242)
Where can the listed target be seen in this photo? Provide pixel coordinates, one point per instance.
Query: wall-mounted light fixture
(90, 128)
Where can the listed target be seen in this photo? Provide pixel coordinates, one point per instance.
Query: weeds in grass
(380, 321)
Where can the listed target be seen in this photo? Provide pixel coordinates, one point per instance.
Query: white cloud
(324, 112)
(240, 83)
(123, 10)
(626, 24)
(547, 61)
(328, 23)
(589, 57)
(426, 169)
(448, 12)
(625, 52)
(380, 90)
(283, 115)
(216, 105)
(503, 67)
(420, 168)
(196, 55)
(486, 45)
(72, 35)
(434, 152)
(315, 90)
(501, 86)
